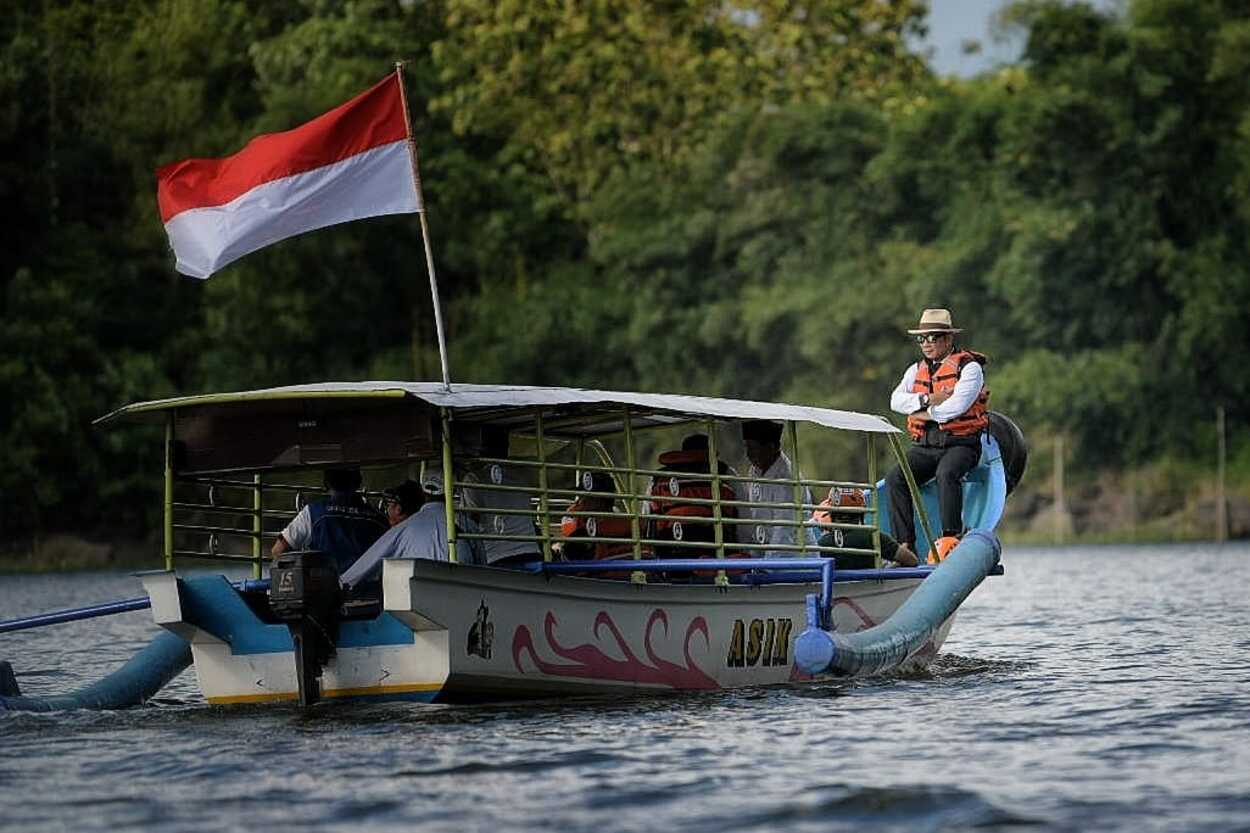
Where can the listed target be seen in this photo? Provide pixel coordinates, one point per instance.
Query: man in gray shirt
(483, 502)
(423, 534)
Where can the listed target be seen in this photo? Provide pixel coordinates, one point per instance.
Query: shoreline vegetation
(1101, 512)
(762, 218)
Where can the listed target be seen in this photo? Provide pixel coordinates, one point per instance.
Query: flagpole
(425, 229)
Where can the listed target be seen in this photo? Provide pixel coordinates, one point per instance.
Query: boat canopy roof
(508, 405)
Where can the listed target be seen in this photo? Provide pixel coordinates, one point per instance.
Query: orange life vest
(670, 496)
(972, 421)
(574, 527)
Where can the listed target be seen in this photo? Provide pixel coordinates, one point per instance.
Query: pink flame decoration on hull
(589, 662)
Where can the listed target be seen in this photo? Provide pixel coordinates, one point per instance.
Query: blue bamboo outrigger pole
(76, 614)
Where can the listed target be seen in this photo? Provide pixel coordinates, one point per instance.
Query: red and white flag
(350, 163)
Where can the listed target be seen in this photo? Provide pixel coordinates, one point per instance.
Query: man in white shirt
(480, 500)
(766, 460)
(946, 402)
(423, 534)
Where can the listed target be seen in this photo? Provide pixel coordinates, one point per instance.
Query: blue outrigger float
(726, 606)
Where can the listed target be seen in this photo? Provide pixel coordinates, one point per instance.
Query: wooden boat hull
(464, 633)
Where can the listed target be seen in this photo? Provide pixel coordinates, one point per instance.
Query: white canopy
(469, 399)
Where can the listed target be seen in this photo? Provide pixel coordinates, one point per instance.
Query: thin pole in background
(1060, 503)
(425, 230)
(1221, 507)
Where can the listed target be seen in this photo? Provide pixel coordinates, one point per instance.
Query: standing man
(945, 399)
(342, 525)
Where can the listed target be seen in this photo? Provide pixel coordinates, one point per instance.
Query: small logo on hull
(481, 634)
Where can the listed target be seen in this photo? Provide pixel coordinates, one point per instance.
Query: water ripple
(1073, 694)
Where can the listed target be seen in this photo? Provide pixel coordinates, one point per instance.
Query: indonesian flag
(350, 163)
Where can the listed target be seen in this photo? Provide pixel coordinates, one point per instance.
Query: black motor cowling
(304, 592)
(1011, 444)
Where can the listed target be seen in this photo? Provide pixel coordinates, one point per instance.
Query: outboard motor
(304, 592)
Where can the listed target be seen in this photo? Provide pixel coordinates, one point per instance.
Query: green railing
(235, 518)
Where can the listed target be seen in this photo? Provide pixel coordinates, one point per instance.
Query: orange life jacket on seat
(972, 421)
(670, 498)
(574, 527)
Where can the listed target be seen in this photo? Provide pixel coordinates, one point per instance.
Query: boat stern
(242, 655)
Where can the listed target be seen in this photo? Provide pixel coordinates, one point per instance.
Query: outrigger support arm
(820, 650)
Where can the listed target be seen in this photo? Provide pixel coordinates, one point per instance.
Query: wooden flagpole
(425, 230)
(1221, 502)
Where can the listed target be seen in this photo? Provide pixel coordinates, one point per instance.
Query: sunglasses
(930, 338)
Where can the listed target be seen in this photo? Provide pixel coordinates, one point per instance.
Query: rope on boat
(167, 656)
(891, 643)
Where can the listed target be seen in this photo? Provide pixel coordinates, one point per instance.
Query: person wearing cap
(421, 534)
(341, 524)
(946, 403)
(845, 505)
(766, 460)
(402, 501)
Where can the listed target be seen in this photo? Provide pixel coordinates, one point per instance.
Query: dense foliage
(751, 199)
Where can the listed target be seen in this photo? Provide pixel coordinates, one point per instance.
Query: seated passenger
(669, 498)
(342, 525)
(480, 500)
(573, 527)
(402, 501)
(766, 460)
(422, 534)
(893, 553)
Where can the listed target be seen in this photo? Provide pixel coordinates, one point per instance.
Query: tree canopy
(752, 199)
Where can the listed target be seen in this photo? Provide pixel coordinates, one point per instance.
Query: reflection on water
(1088, 688)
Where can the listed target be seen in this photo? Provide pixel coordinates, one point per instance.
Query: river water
(1092, 688)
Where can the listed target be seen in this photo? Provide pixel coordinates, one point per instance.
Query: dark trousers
(948, 465)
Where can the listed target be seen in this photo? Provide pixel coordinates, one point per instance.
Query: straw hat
(935, 321)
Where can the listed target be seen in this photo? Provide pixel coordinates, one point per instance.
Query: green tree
(588, 89)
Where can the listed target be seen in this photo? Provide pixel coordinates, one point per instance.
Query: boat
(705, 599)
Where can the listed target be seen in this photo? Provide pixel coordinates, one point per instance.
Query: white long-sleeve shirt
(971, 380)
(757, 492)
(480, 500)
